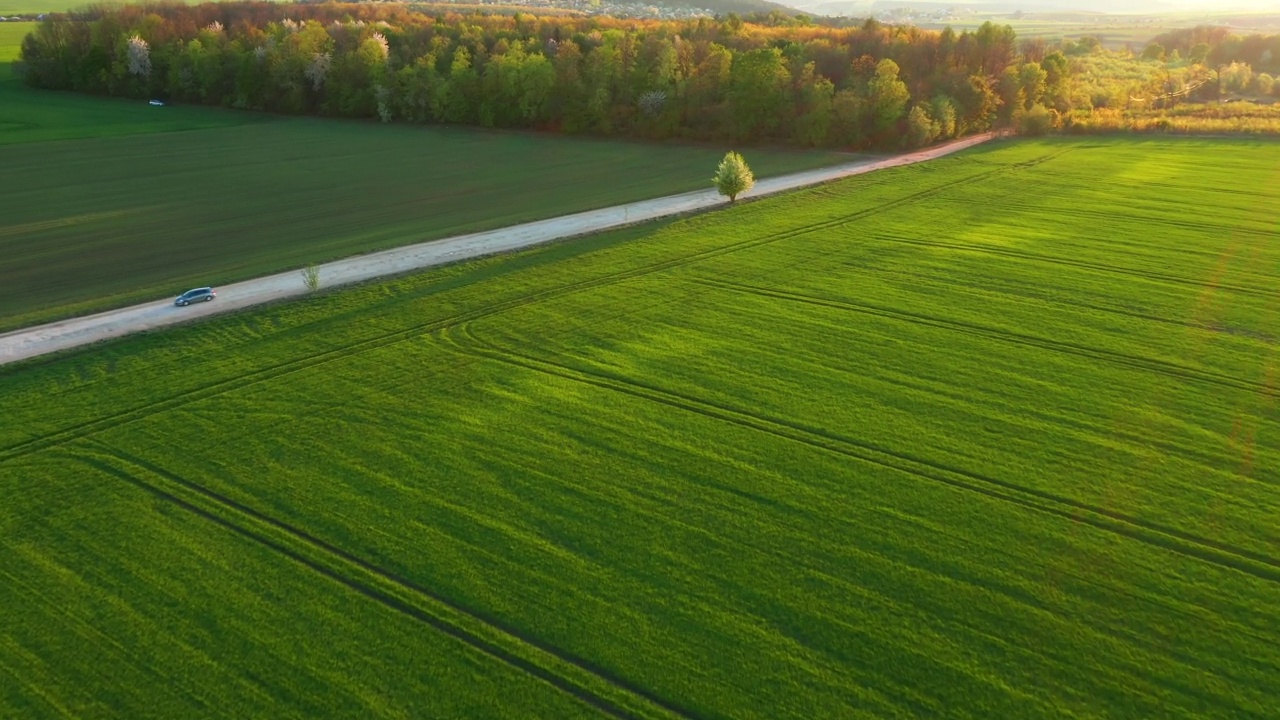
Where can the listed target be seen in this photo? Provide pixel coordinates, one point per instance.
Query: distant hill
(858, 8)
(669, 9)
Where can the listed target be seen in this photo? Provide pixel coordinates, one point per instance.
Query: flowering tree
(318, 68)
(379, 41)
(139, 55)
(733, 177)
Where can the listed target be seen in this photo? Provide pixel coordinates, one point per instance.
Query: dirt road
(42, 339)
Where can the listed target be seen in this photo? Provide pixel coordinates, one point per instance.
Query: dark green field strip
(225, 204)
(118, 603)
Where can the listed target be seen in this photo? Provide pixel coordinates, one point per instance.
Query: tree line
(1217, 46)
(722, 79)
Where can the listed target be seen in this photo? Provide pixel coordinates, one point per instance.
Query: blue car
(204, 294)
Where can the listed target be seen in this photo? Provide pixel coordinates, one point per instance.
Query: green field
(991, 437)
(11, 35)
(118, 202)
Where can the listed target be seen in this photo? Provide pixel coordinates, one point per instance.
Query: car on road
(204, 294)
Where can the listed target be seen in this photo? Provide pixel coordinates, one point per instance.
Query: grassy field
(990, 437)
(11, 35)
(148, 215)
(118, 202)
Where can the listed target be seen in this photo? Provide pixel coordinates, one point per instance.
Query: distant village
(906, 15)
(612, 8)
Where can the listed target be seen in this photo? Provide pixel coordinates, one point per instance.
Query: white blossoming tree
(733, 177)
(138, 53)
(318, 68)
(652, 103)
(379, 41)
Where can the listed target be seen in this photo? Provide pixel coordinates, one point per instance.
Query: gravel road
(52, 337)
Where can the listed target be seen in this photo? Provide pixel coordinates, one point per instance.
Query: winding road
(74, 332)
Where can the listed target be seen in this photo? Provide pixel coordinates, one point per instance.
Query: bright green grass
(991, 437)
(11, 35)
(105, 221)
(27, 7)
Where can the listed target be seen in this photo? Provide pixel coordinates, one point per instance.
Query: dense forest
(779, 79)
(703, 79)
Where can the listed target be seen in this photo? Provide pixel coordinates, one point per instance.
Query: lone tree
(733, 177)
(311, 277)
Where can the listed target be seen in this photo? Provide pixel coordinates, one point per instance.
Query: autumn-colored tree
(765, 78)
(921, 129)
(943, 112)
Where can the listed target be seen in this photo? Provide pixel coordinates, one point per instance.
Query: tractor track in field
(1050, 260)
(411, 332)
(1137, 362)
(1147, 219)
(76, 332)
(1022, 294)
(1187, 544)
(580, 678)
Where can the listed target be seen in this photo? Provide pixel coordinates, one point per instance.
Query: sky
(1100, 6)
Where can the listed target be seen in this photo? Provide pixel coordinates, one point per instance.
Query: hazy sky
(1104, 6)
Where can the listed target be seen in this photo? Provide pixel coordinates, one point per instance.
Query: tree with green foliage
(1034, 80)
(976, 104)
(943, 111)
(921, 129)
(1034, 121)
(733, 177)
(456, 102)
(759, 85)
(887, 98)
(847, 111)
(752, 79)
(311, 277)
(813, 121)
(1057, 81)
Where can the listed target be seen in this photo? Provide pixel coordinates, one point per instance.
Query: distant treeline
(1216, 46)
(870, 86)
